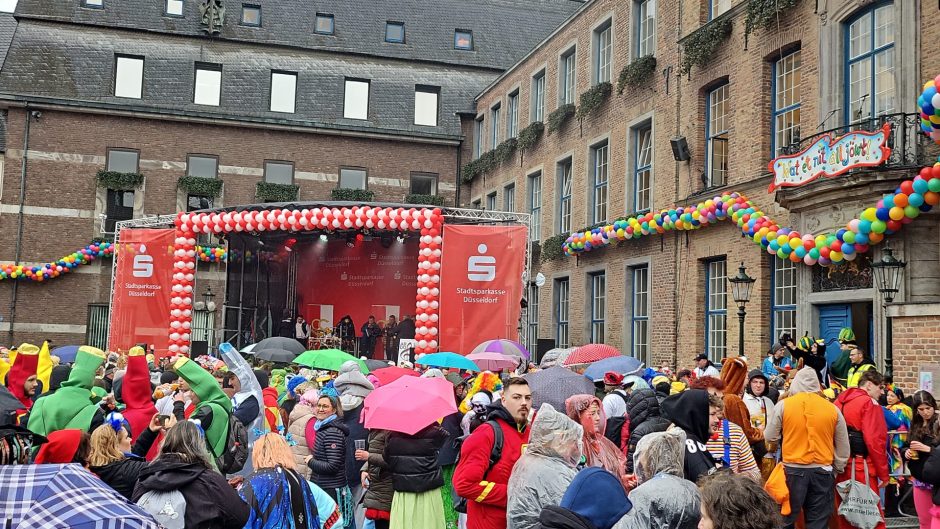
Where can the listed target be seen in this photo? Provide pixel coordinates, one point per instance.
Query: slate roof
(503, 30)
(7, 27)
(75, 64)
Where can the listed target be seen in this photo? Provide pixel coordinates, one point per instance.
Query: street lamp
(889, 272)
(741, 293)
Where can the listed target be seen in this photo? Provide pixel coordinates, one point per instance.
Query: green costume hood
(210, 394)
(71, 406)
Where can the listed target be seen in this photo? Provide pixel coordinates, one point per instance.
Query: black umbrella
(279, 356)
(555, 384)
(279, 342)
(375, 364)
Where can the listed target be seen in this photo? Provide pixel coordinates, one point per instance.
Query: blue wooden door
(832, 318)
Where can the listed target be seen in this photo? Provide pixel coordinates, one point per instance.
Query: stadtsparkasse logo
(481, 268)
(143, 263)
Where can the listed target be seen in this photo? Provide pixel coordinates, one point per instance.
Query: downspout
(675, 248)
(19, 230)
(457, 176)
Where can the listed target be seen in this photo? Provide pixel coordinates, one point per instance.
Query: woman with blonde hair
(111, 456)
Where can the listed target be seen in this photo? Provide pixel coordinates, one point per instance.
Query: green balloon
(849, 237)
(879, 226)
(912, 212)
(814, 253)
(934, 185)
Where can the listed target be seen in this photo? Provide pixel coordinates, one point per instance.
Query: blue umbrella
(449, 360)
(65, 496)
(625, 365)
(66, 353)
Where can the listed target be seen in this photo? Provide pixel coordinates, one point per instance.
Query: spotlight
(323, 237)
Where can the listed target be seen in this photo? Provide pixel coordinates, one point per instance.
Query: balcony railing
(910, 148)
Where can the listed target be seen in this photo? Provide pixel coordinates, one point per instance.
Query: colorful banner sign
(829, 158)
(140, 301)
(481, 285)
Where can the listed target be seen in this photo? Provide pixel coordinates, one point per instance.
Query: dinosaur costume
(214, 406)
(71, 406)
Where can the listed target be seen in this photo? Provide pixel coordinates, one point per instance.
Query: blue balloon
(864, 227)
(920, 186)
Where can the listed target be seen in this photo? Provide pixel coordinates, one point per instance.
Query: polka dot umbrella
(591, 352)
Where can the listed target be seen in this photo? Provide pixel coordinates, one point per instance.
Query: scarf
(320, 424)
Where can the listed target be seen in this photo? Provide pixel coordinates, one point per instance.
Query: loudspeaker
(543, 346)
(680, 149)
(198, 348)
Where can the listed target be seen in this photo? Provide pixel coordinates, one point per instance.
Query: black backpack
(496, 452)
(235, 455)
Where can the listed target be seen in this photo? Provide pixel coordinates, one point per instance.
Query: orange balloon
(875, 238)
(900, 200)
(932, 198)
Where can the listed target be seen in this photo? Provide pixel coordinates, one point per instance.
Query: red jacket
(486, 491)
(864, 415)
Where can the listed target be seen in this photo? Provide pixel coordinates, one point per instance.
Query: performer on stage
(391, 339)
(346, 331)
(370, 334)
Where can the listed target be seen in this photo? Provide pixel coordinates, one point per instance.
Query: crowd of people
(217, 443)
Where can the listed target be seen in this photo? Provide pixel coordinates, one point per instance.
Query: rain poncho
(544, 472)
(663, 499)
(250, 387)
(598, 450)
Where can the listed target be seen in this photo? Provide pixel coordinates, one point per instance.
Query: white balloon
(435, 304)
(175, 324)
(433, 317)
(433, 331)
(432, 344)
(175, 335)
(422, 343)
(184, 349)
(174, 348)
(423, 304)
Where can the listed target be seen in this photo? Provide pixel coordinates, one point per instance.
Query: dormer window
(251, 15)
(463, 39)
(395, 32)
(324, 24)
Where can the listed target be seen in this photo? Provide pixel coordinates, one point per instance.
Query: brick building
(738, 99)
(116, 110)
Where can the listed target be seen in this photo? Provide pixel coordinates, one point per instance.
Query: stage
(324, 261)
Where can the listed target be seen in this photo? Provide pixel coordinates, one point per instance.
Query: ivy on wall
(352, 195)
(530, 135)
(560, 116)
(269, 192)
(200, 186)
(699, 47)
(119, 181)
(593, 99)
(761, 14)
(426, 200)
(637, 73)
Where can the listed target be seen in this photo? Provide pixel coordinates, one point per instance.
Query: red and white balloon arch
(427, 222)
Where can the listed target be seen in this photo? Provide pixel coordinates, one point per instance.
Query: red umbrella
(387, 375)
(591, 352)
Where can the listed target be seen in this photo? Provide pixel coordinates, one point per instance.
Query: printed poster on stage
(143, 277)
(481, 285)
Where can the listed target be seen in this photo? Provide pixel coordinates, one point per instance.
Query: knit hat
(292, 384)
(264, 379)
(351, 381)
(168, 377)
(613, 379)
(433, 373)
(598, 496)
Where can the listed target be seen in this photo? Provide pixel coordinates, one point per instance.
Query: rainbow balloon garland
(62, 266)
(893, 211)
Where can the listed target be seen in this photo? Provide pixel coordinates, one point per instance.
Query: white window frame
(640, 313)
(535, 205)
(509, 197)
(495, 112)
(716, 309)
(643, 168)
(279, 163)
(537, 112)
(603, 46)
(600, 181)
(565, 175)
(174, 8)
(717, 125)
(597, 287)
(645, 27)
(567, 76)
(512, 114)
(562, 299)
(786, 101)
(783, 297)
(348, 171)
(433, 177)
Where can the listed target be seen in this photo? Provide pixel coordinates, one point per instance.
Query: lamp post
(889, 272)
(208, 296)
(741, 293)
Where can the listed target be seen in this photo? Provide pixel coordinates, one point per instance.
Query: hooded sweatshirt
(23, 367)
(663, 499)
(352, 385)
(60, 374)
(689, 411)
(71, 406)
(544, 472)
(135, 390)
(60, 448)
(214, 405)
(593, 497)
(813, 430)
(865, 416)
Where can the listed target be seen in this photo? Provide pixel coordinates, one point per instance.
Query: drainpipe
(19, 230)
(457, 176)
(676, 246)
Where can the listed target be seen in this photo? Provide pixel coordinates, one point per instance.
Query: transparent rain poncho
(663, 499)
(545, 470)
(249, 387)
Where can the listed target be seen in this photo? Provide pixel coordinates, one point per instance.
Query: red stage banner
(140, 303)
(481, 285)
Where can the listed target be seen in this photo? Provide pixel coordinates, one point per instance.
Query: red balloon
(894, 225)
(907, 187)
(926, 172)
(935, 171)
(836, 246)
(824, 252)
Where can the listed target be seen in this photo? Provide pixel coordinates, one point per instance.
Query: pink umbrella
(387, 375)
(409, 404)
(494, 361)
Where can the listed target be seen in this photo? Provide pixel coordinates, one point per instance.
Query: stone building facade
(835, 66)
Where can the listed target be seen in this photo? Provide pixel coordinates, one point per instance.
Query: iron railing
(910, 148)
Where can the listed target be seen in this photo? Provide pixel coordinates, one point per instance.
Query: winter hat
(292, 384)
(598, 496)
(61, 447)
(847, 336)
(264, 379)
(59, 375)
(613, 379)
(351, 381)
(168, 377)
(433, 373)
(455, 379)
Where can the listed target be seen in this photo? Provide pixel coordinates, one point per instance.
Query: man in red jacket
(485, 487)
(868, 435)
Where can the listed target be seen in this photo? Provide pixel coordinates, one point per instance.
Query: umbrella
(279, 342)
(389, 374)
(375, 364)
(409, 404)
(494, 361)
(65, 496)
(448, 360)
(279, 356)
(66, 353)
(591, 352)
(249, 349)
(555, 384)
(329, 359)
(555, 356)
(502, 346)
(625, 365)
